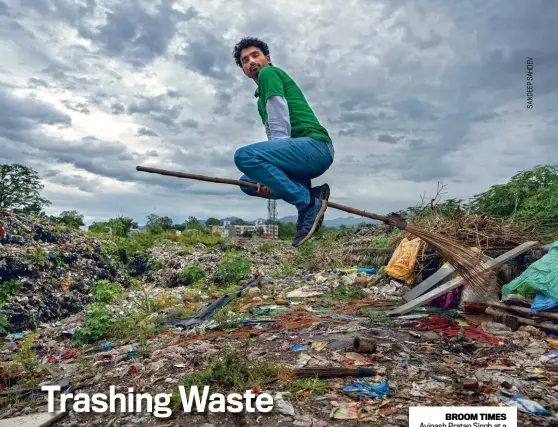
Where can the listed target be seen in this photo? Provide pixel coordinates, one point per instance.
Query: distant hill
(350, 221)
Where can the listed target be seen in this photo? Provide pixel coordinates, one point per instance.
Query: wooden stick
(465, 261)
(523, 310)
(361, 371)
(544, 325)
(251, 185)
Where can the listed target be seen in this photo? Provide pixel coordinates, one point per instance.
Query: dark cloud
(189, 123)
(157, 109)
(4, 9)
(134, 33)
(207, 52)
(20, 116)
(146, 132)
(389, 139)
(34, 83)
(74, 180)
(117, 108)
(486, 117)
(222, 102)
(79, 107)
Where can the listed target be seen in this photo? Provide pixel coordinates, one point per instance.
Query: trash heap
(53, 268)
(324, 343)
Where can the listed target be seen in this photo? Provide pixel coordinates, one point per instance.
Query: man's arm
(273, 92)
(278, 117)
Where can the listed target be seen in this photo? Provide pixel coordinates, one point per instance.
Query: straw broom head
(466, 261)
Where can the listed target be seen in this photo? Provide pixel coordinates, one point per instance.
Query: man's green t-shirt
(273, 81)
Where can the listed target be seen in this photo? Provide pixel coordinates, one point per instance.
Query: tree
(193, 224)
(528, 195)
(179, 227)
(157, 224)
(99, 227)
(238, 221)
(71, 219)
(212, 221)
(166, 223)
(20, 189)
(121, 226)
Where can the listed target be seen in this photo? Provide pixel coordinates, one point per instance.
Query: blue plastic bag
(524, 404)
(542, 303)
(365, 389)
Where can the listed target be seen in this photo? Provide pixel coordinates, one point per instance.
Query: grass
(133, 321)
(285, 269)
(306, 386)
(229, 371)
(268, 247)
(233, 267)
(227, 319)
(386, 241)
(193, 273)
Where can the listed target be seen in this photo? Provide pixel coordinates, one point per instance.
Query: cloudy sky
(412, 92)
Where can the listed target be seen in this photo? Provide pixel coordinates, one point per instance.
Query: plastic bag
(448, 301)
(542, 303)
(542, 275)
(473, 303)
(402, 263)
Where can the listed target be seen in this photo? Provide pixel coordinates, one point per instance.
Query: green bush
(107, 292)
(192, 237)
(98, 323)
(193, 273)
(8, 289)
(234, 267)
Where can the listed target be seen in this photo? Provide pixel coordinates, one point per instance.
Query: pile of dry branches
(481, 231)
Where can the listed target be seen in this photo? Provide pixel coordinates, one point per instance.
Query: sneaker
(321, 192)
(311, 219)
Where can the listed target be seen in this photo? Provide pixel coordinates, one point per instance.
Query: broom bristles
(466, 261)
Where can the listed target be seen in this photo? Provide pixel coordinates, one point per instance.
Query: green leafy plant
(97, 324)
(27, 356)
(8, 289)
(39, 257)
(107, 292)
(193, 273)
(234, 267)
(227, 319)
(268, 247)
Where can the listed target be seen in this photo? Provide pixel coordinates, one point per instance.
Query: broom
(466, 261)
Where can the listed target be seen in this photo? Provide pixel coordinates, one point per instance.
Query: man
(298, 148)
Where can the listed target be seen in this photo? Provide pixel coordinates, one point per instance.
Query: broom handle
(249, 184)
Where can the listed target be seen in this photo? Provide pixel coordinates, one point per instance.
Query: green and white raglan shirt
(283, 108)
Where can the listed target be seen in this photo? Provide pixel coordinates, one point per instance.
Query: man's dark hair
(249, 42)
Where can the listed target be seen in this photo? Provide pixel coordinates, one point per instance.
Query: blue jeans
(286, 166)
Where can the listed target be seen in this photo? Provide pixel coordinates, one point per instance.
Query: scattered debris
(323, 341)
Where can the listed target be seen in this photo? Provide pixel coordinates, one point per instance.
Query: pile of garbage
(53, 268)
(325, 343)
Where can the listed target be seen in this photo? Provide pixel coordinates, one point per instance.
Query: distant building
(233, 230)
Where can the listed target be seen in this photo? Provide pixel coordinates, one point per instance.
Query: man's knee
(241, 156)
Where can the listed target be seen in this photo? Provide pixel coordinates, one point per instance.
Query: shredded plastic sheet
(365, 389)
(542, 276)
(524, 404)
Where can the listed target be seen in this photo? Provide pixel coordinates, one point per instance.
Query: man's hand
(263, 190)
